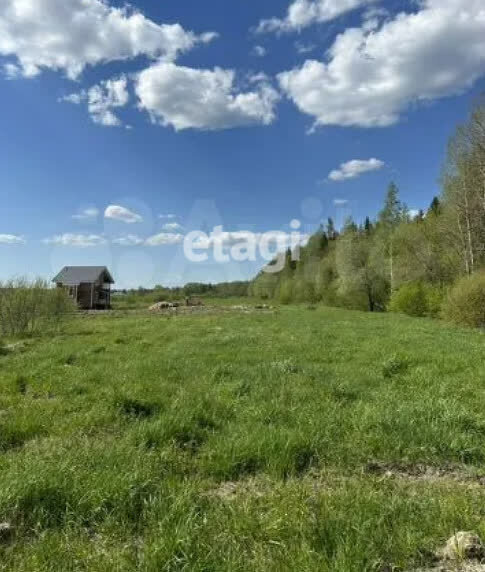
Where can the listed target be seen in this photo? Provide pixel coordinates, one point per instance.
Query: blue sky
(218, 113)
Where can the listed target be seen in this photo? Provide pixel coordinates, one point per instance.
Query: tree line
(140, 297)
(397, 261)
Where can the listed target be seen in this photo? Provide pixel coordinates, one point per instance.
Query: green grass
(137, 301)
(240, 441)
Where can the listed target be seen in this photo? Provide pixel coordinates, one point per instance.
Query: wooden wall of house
(88, 295)
(84, 295)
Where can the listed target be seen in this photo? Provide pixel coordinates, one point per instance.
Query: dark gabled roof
(75, 275)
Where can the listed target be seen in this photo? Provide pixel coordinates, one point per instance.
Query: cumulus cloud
(340, 202)
(87, 215)
(259, 51)
(101, 99)
(372, 17)
(11, 239)
(128, 240)
(188, 98)
(76, 240)
(304, 13)
(69, 35)
(11, 71)
(371, 76)
(164, 239)
(117, 212)
(355, 168)
(172, 227)
(169, 216)
(302, 48)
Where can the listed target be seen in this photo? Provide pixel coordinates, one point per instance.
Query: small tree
(358, 268)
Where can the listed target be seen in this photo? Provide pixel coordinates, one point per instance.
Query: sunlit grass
(120, 438)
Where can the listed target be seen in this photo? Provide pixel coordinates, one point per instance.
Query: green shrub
(465, 303)
(434, 297)
(416, 299)
(29, 307)
(286, 293)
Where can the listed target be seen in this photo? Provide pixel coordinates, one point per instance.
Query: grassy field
(296, 440)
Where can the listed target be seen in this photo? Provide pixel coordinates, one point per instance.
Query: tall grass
(324, 440)
(32, 306)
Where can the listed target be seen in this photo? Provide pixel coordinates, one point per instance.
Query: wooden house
(89, 286)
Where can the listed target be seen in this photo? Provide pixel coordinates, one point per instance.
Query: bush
(286, 293)
(29, 307)
(465, 303)
(434, 297)
(416, 299)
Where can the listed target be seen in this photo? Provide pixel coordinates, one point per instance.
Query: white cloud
(259, 77)
(128, 240)
(302, 48)
(340, 202)
(89, 214)
(165, 238)
(102, 98)
(75, 98)
(116, 212)
(188, 98)
(355, 168)
(172, 227)
(413, 213)
(68, 35)
(11, 71)
(259, 51)
(11, 239)
(76, 240)
(304, 13)
(371, 77)
(169, 216)
(372, 17)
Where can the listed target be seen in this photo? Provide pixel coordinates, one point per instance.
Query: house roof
(75, 275)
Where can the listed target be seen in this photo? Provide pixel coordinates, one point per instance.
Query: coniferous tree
(366, 263)
(435, 207)
(391, 215)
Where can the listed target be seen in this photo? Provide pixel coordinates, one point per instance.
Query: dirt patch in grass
(231, 490)
(426, 473)
(464, 551)
(442, 566)
(463, 567)
(450, 567)
(318, 481)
